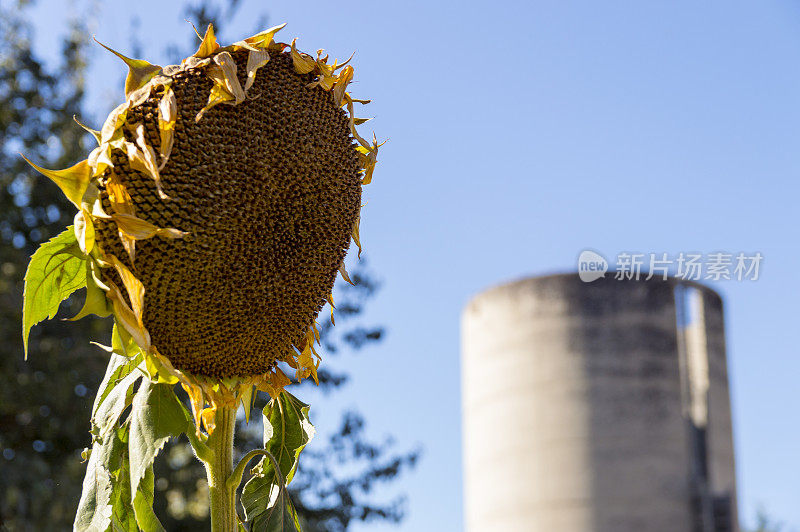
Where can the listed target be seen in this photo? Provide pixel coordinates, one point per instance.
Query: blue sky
(521, 133)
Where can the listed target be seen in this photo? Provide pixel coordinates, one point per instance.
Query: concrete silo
(596, 407)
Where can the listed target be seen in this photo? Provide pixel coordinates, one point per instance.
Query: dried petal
(209, 44)
(72, 181)
(139, 71)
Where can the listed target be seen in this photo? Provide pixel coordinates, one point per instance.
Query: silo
(596, 407)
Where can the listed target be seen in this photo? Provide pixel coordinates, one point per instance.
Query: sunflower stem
(219, 469)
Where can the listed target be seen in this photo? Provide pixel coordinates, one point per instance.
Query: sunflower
(217, 210)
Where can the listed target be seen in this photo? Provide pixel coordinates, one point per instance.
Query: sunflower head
(219, 206)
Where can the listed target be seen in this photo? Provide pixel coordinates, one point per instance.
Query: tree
(765, 522)
(45, 403)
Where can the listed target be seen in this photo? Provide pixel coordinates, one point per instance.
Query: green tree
(45, 403)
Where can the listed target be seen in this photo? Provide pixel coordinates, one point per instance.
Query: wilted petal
(226, 75)
(260, 41)
(303, 63)
(255, 60)
(94, 132)
(113, 123)
(133, 286)
(167, 116)
(343, 272)
(72, 181)
(217, 96)
(209, 44)
(84, 231)
(139, 71)
(345, 77)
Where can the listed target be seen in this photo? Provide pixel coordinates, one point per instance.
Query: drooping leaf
(143, 504)
(121, 364)
(281, 515)
(287, 430)
(156, 415)
(56, 270)
(114, 402)
(95, 509)
(122, 513)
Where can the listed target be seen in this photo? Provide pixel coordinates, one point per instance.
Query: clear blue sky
(522, 133)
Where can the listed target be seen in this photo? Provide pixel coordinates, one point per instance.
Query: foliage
(765, 522)
(40, 399)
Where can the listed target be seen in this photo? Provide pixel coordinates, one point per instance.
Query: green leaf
(107, 502)
(278, 514)
(143, 504)
(56, 270)
(94, 509)
(112, 402)
(122, 514)
(281, 516)
(287, 430)
(122, 363)
(95, 302)
(156, 415)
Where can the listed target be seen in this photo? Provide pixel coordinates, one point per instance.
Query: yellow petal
(127, 318)
(148, 155)
(309, 366)
(134, 227)
(209, 44)
(343, 79)
(260, 41)
(159, 369)
(356, 236)
(167, 116)
(84, 231)
(217, 96)
(121, 201)
(139, 229)
(139, 96)
(330, 301)
(129, 244)
(196, 401)
(274, 383)
(168, 107)
(303, 63)
(343, 272)
(194, 62)
(208, 415)
(247, 397)
(133, 286)
(225, 75)
(91, 202)
(255, 60)
(94, 132)
(100, 159)
(139, 71)
(113, 123)
(352, 114)
(171, 233)
(72, 181)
